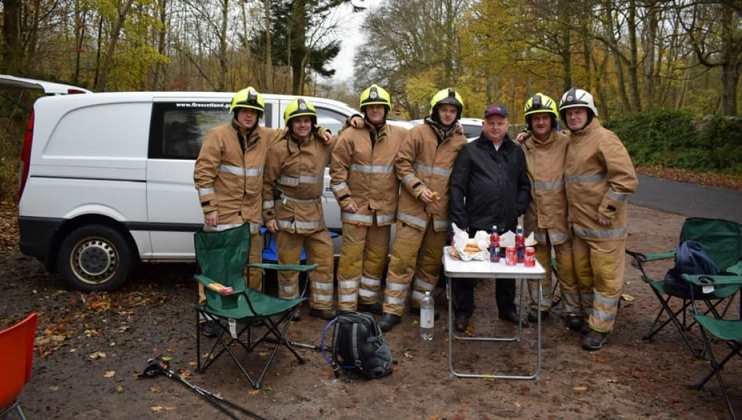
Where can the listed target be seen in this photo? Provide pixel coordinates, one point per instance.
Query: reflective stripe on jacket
(599, 176)
(548, 209)
(228, 179)
(293, 183)
(422, 162)
(362, 172)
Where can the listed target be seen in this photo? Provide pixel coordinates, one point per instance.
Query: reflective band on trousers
(205, 191)
(323, 298)
(604, 300)
(432, 170)
(353, 217)
(288, 224)
(293, 181)
(372, 169)
(412, 220)
(391, 300)
(348, 298)
(254, 227)
(440, 224)
(549, 185)
(339, 186)
(367, 293)
(401, 287)
(348, 284)
(540, 236)
(617, 195)
(368, 281)
(557, 237)
(268, 204)
(585, 178)
(422, 284)
(300, 200)
(603, 316)
(289, 289)
(236, 170)
(418, 296)
(600, 234)
(321, 286)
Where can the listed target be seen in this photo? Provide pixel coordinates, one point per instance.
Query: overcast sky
(351, 37)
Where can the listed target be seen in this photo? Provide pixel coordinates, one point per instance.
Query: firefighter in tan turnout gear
(599, 178)
(292, 205)
(423, 166)
(545, 150)
(229, 176)
(366, 189)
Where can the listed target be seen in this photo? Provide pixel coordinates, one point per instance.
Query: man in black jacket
(489, 187)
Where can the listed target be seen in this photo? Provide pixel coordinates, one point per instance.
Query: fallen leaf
(580, 388)
(253, 392)
(54, 388)
(166, 358)
(109, 374)
(119, 389)
(408, 355)
(627, 297)
(154, 389)
(97, 355)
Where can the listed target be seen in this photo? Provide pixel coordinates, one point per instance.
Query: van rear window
(178, 128)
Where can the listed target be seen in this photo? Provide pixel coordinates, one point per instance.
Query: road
(688, 199)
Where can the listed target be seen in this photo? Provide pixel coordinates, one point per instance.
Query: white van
(107, 178)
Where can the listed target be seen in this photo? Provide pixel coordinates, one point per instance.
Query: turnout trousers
(565, 275)
(415, 253)
(362, 262)
(318, 247)
(599, 268)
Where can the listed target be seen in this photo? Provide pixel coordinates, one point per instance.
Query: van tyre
(95, 258)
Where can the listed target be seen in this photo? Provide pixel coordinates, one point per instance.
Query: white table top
(453, 267)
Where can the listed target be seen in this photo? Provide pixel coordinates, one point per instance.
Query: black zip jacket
(489, 187)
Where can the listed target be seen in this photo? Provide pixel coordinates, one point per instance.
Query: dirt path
(92, 347)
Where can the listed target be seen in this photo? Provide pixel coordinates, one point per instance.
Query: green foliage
(674, 139)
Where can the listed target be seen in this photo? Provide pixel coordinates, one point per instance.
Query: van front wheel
(95, 258)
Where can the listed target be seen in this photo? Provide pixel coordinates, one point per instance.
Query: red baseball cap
(499, 110)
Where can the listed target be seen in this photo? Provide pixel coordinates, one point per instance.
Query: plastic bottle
(427, 317)
(520, 244)
(494, 245)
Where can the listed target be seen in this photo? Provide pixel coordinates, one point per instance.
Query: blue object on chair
(270, 251)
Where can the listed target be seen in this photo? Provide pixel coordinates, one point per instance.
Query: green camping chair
(729, 331)
(241, 311)
(722, 241)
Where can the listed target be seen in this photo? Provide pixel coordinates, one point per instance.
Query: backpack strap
(356, 354)
(325, 330)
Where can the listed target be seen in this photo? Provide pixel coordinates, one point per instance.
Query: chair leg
(673, 318)
(716, 368)
(20, 411)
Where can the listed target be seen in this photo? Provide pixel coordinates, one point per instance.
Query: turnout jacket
(362, 172)
(547, 212)
(489, 187)
(599, 177)
(229, 173)
(293, 182)
(425, 159)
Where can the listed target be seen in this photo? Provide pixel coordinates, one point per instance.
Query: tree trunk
(158, 81)
(223, 65)
(13, 53)
(633, 60)
(649, 58)
(268, 46)
(112, 43)
(732, 61)
(298, 47)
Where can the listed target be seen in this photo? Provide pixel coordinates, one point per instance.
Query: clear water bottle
(427, 317)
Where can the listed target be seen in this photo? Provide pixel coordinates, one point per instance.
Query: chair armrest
(213, 285)
(651, 256)
(718, 280)
(301, 268)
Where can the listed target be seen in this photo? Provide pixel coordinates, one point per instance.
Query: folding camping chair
(222, 257)
(729, 331)
(722, 241)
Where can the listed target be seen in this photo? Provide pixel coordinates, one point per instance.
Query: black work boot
(388, 321)
(575, 322)
(326, 314)
(594, 340)
(374, 308)
(533, 316)
(210, 328)
(509, 315)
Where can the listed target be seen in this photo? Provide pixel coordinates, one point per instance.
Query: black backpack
(690, 258)
(357, 346)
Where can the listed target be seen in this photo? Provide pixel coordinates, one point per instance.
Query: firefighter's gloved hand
(212, 219)
(272, 226)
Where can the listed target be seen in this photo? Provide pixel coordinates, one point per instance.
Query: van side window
(178, 128)
(334, 121)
